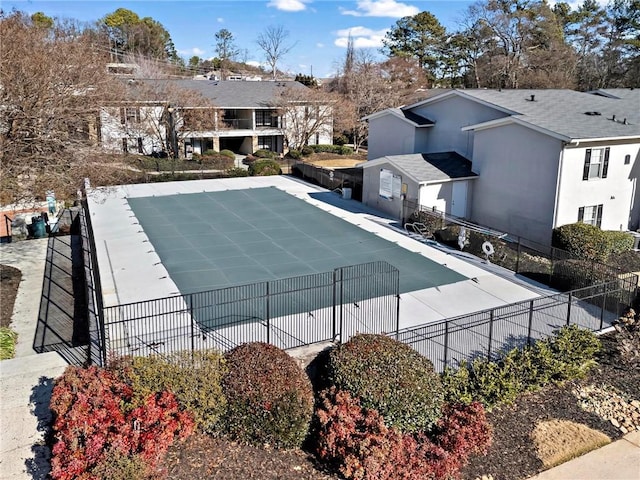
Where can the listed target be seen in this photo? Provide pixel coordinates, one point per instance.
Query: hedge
(337, 149)
(264, 167)
(589, 242)
(567, 355)
(269, 397)
(390, 377)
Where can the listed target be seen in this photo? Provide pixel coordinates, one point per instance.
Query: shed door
(459, 199)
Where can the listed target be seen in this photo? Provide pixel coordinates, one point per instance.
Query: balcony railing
(238, 123)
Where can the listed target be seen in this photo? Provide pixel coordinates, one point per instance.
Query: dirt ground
(9, 282)
(329, 160)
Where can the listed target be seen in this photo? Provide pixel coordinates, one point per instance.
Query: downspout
(558, 184)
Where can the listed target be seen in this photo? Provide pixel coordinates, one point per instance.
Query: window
(125, 145)
(266, 143)
(140, 146)
(627, 159)
(591, 215)
(129, 115)
(596, 163)
(266, 118)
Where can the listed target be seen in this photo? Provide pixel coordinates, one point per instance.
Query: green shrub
(567, 355)
(337, 149)
(344, 150)
(589, 242)
(237, 172)
(572, 350)
(262, 153)
(340, 140)
(295, 154)
(210, 153)
(390, 377)
(117, 466)
(228, 153)
(265, 167)
(306, 151)
(195, 380)
(7, 343)
(270, 398)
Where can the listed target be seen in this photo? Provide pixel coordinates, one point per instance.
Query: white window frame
(597, 163)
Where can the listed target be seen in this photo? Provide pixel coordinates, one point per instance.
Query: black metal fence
(545, 264)
(93, 290)
(487, 333)
(331, 179)
(288, 313)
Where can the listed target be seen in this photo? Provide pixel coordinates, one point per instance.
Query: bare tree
(162, 113)
(52, 84)
(364, 87)
(306, 112)
(273, 41)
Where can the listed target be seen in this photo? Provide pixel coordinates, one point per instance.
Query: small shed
(432, 180)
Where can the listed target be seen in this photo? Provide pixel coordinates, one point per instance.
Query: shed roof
(428, 167)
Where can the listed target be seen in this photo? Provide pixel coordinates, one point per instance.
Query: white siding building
(543, 158)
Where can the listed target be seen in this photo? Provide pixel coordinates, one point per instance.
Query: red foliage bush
(359, 444)
(91, 418)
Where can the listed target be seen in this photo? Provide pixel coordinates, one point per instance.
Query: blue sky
(319, 28)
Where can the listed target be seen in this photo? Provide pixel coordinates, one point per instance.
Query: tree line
(525, 44)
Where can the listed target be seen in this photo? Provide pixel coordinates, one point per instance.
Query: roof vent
(533, 98)
(592, 114)
(624, 122)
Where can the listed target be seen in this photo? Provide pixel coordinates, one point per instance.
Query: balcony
(238, 123)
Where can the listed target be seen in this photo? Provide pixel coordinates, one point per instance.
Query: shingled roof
(428, 167)
(236, 94)
(567, 114)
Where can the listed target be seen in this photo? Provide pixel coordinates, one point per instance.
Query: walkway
(26, 381)
(619, 460)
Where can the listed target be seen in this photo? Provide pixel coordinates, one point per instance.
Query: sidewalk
(620, 460)
(26, 381)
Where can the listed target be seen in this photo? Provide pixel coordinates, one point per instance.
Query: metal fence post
(267, 315)
(193, 341)
(530, 322)
(397, 295)
(446, 343)
(334, 319)
(341, 303)
(604, 303)
(490, 334)
(569, 309)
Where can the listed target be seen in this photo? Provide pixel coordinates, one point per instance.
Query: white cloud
(363, 37)
(220, 20)
(381, 8)
(320, 45)
(254, 63)
(288, 5)
(192, 51)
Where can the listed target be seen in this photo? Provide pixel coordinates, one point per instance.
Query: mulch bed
(511, 457)
(9, 282)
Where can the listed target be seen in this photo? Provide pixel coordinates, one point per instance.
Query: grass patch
(7, 343)
(558, 441)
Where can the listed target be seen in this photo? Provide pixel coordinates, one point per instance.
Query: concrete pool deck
(131, 270)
